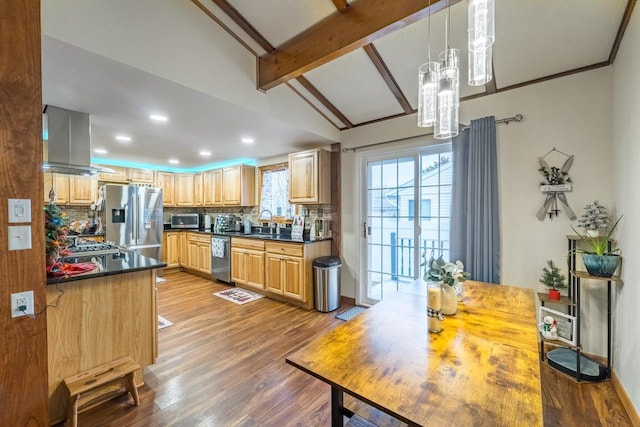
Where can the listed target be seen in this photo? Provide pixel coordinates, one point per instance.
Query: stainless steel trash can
(326, 278)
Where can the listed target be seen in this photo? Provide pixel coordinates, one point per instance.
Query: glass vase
(459, 291)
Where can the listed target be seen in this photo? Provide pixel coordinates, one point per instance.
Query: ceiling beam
(340, 33)
(382, 68)
(240, 20)
(341, 4)
(324, 101)
(621, 29)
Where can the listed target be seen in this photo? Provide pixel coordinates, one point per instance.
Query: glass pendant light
(481, 35)
(448, 90)
(428, 78)
(448, 96)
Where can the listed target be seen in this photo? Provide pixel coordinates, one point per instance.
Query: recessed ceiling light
(174, 161)
(123, 138)
(158, 117)
(100, 151)
(205, 153)
(248, 140)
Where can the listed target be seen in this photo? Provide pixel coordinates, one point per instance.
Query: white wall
(572, 114)
(626, 158)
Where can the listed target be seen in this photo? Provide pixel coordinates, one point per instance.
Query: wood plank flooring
(222, 364)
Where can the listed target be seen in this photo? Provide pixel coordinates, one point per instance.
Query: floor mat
(239, 296)
(350, 313)
(163, 323)
(160, 279)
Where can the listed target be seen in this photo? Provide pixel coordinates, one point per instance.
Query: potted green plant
(554, 279)
(594, 218)
(450, 275)
(599, 260)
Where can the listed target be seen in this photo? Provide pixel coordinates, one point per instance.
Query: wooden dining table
(482, 369)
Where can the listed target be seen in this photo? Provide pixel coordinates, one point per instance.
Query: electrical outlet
(22, 300)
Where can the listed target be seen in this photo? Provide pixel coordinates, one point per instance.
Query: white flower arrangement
(446, 272)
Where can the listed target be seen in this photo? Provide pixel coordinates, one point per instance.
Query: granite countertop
(107, 265)
(284, 237)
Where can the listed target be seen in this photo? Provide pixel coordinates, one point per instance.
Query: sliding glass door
(406, 215)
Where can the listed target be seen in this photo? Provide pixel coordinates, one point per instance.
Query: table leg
(336, 407)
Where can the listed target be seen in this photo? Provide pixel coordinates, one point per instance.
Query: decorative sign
(297, 228)
(555, 325)
(556, 184)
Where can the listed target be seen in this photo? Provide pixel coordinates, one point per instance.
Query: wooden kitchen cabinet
(289, 269)
(171, 249)
(198, 190)
(238, 185)
(119, 174)
(199, 252)
(212, 187)
(127, 175)
(310, 177)
(184, 189)
(183, 248)
(83, 190)
(166, 181)
(247, 262)
(60, 184)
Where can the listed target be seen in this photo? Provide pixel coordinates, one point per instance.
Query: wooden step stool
(84, 387)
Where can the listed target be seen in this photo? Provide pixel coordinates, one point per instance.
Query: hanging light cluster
(439, 82)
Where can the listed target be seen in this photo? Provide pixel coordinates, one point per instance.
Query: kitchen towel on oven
(217, 248)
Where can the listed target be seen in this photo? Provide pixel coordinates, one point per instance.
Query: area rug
(160, 279)
(163, 323)
(239, 296)
(350, 313)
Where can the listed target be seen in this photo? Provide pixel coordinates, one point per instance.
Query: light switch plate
(19, 210)
(19, 237)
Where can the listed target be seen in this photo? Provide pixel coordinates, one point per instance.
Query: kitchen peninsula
(96, 317)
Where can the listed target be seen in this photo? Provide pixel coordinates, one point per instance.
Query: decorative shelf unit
(573, 304)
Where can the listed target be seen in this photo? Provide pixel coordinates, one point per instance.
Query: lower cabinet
(198, 252)
(282, 270)
(247, 262)
(171, 249)
(284, 275)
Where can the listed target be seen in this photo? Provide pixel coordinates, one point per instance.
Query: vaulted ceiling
(350, 63)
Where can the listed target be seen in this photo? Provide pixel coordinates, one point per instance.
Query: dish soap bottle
(247, 226)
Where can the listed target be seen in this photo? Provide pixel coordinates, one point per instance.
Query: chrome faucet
(270, 219)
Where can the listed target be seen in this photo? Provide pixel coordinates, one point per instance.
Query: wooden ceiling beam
(240, 20)
(324, 101)
(341, 32)
(382, 68)
(341, 4)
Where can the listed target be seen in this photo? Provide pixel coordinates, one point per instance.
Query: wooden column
(23, 358)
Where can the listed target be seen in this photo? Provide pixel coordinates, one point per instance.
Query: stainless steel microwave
(185, 221)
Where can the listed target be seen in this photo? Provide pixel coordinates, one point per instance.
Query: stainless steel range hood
(69, 142)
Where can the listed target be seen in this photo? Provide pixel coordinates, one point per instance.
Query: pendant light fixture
(481, 35)
(448, 104)
(428, 79)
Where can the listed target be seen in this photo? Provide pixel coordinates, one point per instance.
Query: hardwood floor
(222, 364)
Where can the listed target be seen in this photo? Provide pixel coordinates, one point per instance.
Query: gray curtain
(475, 225)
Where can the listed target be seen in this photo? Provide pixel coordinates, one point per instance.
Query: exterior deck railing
(402, 254)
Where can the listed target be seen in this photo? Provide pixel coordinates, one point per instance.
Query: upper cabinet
(166, 181)
(212, 187)
(184, 189)
(238, 186)
(58, 184)
(83, 190)
(198, 190)
(128, 175)
(71, 190)
(310, 177)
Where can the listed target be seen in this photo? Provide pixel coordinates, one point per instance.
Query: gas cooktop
(94, 249)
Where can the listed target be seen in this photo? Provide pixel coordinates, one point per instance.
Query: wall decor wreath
(556, 183)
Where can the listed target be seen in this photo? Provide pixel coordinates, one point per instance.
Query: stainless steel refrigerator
(133, 218)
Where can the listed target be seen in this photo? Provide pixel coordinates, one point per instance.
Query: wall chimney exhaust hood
(69, 142)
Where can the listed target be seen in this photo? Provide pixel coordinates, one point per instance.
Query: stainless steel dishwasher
(221, 258)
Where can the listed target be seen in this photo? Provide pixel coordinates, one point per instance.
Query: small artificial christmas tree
(595, 216)
(552, 277)
(55, 226)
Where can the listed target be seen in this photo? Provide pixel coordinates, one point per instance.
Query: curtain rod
(506, 120)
